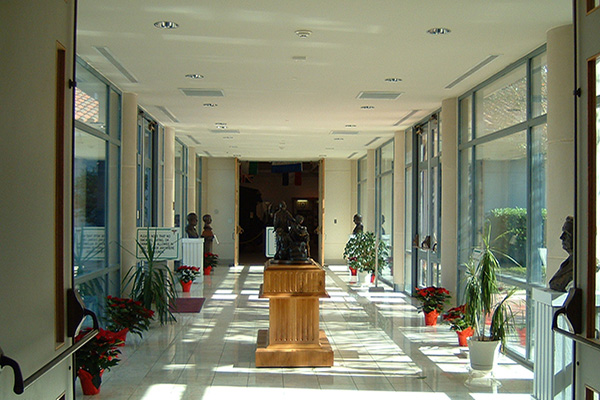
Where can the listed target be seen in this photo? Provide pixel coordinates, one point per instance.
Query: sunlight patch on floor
(164, 391)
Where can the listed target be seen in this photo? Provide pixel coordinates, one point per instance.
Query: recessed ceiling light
(166, 25)
(228, 137)
(210, 104)
(303, 33)
(438, 31)
(367, 107)
(350, 126)
(299, 58)
(220, 125)
(194, 76)
(338, 138)
(393, 80)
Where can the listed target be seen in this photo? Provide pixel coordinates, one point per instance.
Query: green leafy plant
(360, 252)
(124, 313)
(152, 281)
(480, 292)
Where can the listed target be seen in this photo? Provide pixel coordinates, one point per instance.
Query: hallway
(379, 340)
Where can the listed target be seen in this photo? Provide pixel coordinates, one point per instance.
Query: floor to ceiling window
(362, 188)
(384, 201)
(181, 176)
(502, 191)
(96, 184)
(423, 203)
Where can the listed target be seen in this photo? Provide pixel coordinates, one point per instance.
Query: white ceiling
(285, 109)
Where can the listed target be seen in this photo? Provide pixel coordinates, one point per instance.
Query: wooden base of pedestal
(293, 355)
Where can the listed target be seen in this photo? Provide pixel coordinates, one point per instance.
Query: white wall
(219, 176)
(337, 222)
(31, 31)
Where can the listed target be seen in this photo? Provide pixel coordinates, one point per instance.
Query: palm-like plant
(151, 281)
(480, 290)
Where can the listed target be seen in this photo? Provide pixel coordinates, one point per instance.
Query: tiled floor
(381, 348)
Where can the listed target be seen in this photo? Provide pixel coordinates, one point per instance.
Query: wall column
(129, 180)
(449, 228)
(399, 211)
(191, 185)
(169, 211)
(369, 217)
(560, 169)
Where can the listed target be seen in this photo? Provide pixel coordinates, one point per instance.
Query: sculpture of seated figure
(291, 238)
(190, 229)
(299, 247)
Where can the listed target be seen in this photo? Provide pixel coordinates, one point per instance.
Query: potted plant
(432, 302)
(459, 323)
(480, 292)
(152, 281)
(94, 358)
(127, 315)
(360, 252)
(210, 261)
(186, 276)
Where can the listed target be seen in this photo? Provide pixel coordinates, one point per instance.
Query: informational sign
(89, 244)
(270, 246)
(165, 242)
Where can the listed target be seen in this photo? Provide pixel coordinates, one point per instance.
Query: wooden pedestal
(293, 338)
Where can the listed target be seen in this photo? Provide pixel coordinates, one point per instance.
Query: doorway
(262, 186)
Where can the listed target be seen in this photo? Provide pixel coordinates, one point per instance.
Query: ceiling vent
(202, 92)
(407, 116)
(470, 72)
(225, 131)
(117, 64)
(379, 95)
(373, 141)
(168, 113)
(343, 132)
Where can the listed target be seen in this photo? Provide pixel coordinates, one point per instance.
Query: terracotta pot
(463, 335)
(207, 270)
(431, 318)
(90, 384)
(186, 286)
(122, 335)
(353, 271)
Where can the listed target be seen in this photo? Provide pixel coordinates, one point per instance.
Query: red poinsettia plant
(457, 318)
(211, 260)
(432, 298)
(186, 273)
(124, 313)
(99, 354)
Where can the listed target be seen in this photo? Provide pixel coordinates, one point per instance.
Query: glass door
(427, 197)
(587, 221)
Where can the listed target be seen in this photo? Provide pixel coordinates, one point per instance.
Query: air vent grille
(225, 131)
(202, 92)
(344, 132)
(379, 95)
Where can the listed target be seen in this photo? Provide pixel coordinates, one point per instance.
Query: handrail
(572, 311)
(20, 384)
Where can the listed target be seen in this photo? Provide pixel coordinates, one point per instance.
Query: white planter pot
(483, 354)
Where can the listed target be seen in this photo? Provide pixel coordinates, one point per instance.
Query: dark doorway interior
(263, 185)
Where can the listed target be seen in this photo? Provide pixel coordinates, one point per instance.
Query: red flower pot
(89, 384)
(122, 335)
(463, 335)
(207, 270)
(372, 278)
(353, 271)
(186, 285)
(431, 318)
